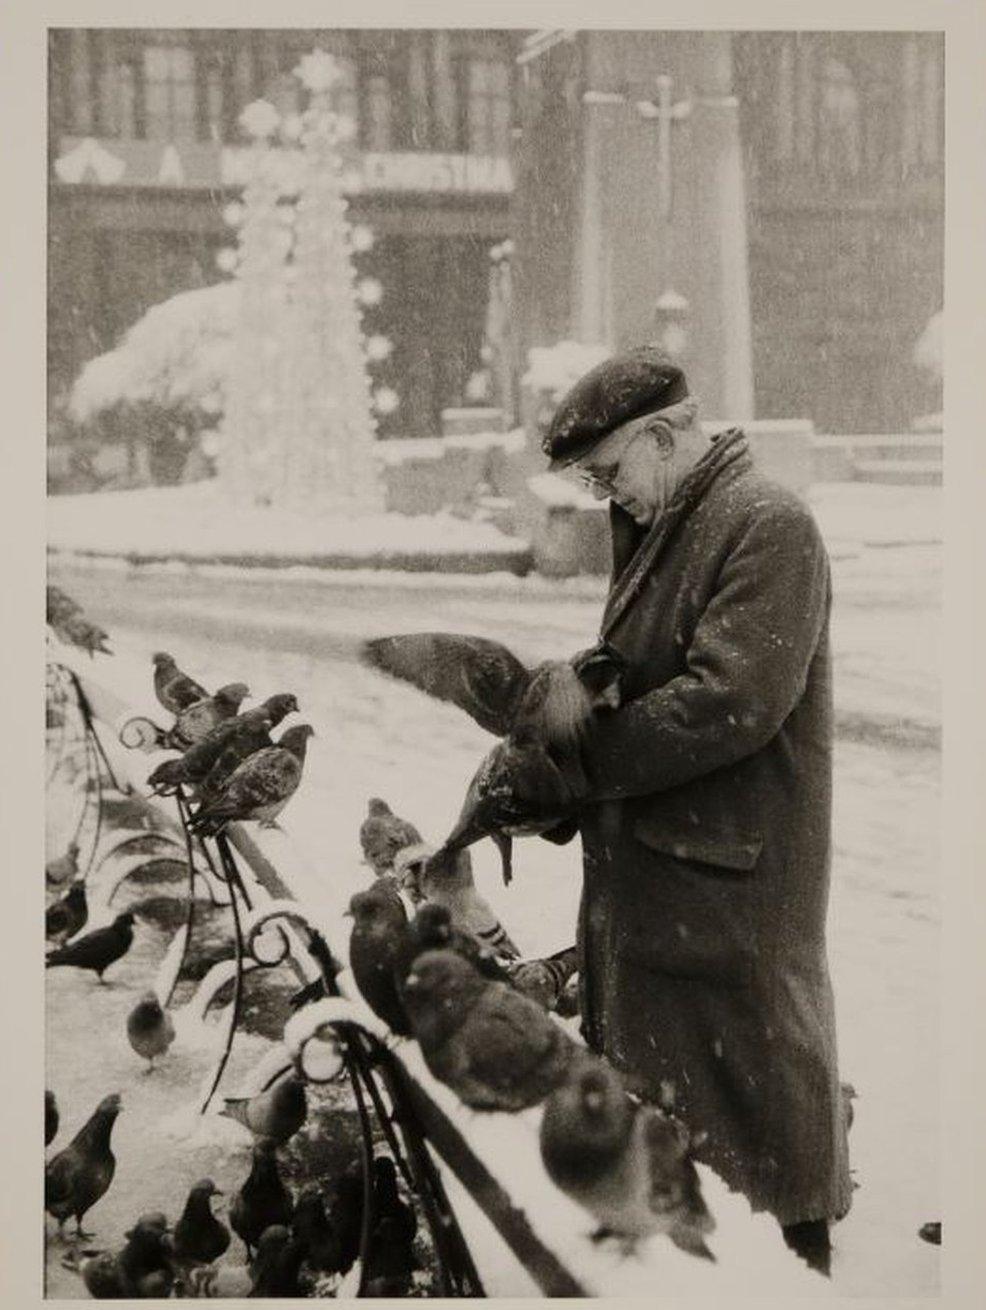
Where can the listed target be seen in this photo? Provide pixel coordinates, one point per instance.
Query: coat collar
(635, 552)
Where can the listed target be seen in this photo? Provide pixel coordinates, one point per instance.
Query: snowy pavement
(380, 738)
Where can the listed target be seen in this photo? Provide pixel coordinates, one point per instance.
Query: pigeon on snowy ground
(51, 1117)
(67, 916)
(78, 1176)
(276, 1114)
(346, 1214)
(197, 720)
(541, 713)
(262, 1201)
(175, 690)
(545, 980)
(199, 1237)
(146, 1262)
(627, 1164)
(312, 1227)
(63, 867)
(496, 1049)
(383, 834)
(277, 1263)
(387, 1201)
(260, 787)
(149, 1029)
(447, 879)
(241, 735)
(98, 949)
(376, 947)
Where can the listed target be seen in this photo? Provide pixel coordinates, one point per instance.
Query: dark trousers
(810, 1240)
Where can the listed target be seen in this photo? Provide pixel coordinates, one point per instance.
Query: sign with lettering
(109, 162)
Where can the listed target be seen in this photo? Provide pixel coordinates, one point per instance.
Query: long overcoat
(706, 854)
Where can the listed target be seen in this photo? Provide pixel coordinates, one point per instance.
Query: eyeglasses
(604, 479)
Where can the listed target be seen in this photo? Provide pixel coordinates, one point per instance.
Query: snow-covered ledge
(526, 1237)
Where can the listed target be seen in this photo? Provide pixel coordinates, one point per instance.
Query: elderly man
(706, 839)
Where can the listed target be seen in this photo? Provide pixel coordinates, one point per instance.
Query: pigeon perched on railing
(532, 781)
(495, 1048)
(626, 1163)
(544, 980)
(51, 1117)
(376, 947)
(260, 787)
(383, 835)
(262, 1201)
(174, 689)
(196, 721)
(150, 1030)
(98, 949)
(432, 929)
(67, 916)
(199, 1237)
(78, 1176)
(276, 1113)
(224, 746)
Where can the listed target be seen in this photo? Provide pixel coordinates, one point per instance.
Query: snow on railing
(524, 1235)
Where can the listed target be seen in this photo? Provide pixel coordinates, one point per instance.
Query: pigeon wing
(480, 676)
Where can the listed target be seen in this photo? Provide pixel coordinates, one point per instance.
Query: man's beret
(609, 395)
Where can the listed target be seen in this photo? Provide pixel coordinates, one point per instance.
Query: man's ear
(601, 670)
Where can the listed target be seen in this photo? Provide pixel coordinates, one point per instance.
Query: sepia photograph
(493, 679)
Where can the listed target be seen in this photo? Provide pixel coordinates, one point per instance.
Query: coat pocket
(738, 852)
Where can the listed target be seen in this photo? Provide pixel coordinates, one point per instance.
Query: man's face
(627, 466)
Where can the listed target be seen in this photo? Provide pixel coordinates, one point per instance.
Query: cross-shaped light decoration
(665, 113)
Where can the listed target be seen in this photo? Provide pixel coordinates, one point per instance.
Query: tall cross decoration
(665, 112)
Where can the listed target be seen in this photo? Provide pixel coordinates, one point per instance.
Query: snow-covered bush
(554, 369)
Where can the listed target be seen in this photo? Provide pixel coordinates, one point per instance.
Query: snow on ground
(377, 737)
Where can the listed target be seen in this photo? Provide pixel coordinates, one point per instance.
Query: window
(212, 84)
(377, 118)
(169, 92)
(117, 89)
(488, 110)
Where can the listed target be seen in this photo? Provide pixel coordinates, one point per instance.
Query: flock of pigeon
(447, 976)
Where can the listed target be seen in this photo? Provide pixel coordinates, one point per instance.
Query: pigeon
(260, 787)
(51, 1117)
(383, 834)
(197, 720)
(376, 946)
(432, 929)
(540, 713)
(67, 916)
(98, 949)
(103, 1277)
(390, 1260)
(277, 1263)
(496, 1049)
(149, 1029)
(312, 1227)
(627, 1164)
(346, 1214)
(545, 980)
(175, 690)
(59, 605)
(146, 1260)
(277, 1113)
(79, 1175)
(447, 879)
(387, 1202)
(199, 1237)
(63, 867)
(77, 630)
(263, 1199)
(240, 735)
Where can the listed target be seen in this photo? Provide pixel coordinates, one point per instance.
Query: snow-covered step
(899, 472)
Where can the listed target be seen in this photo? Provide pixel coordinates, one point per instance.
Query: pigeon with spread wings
(532, 781)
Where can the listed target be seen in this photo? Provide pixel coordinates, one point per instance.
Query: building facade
(143, 133)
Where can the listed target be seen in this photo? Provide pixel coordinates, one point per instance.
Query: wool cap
(621, 388)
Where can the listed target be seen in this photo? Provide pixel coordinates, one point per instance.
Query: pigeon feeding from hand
(262, 1201)
(197, 720)
(149, 1029)
(446, 878)
(67, 916)
(243, 734)
(51, 1117)
(628, 1164)
(98, 949)
(541, 714)
(79, 1175)
(260, 787)
(276, 1113)
(377, 945)
(63, 867)
(175, 690)
(382, 835)
(199, 1237)
(492, 1046)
